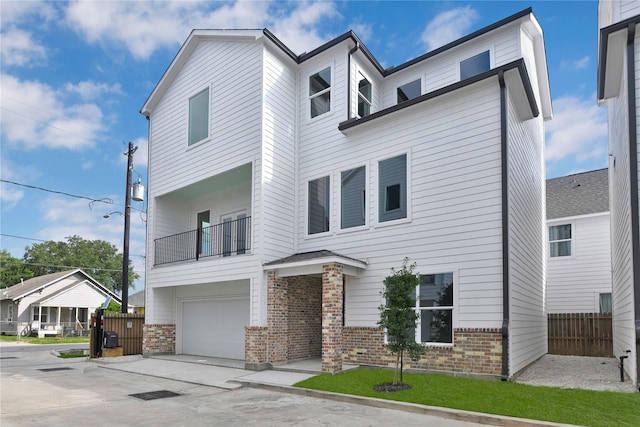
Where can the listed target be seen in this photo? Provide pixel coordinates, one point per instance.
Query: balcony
(221, 240)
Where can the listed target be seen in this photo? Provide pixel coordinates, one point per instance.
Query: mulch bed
(391, 387)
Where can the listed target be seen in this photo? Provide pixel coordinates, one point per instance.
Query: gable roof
(197, 35)
(578, 194)
(36, 283)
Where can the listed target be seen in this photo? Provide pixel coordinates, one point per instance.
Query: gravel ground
(591, 373)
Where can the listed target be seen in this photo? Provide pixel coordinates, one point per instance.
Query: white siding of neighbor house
(575, 282)
(452, 145)
(528, 323)
(83, 295)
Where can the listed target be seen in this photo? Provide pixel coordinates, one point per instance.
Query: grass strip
(46, 340)
(569, 406)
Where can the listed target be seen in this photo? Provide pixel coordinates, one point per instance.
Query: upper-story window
(199, 117)
(392, 188)
(475, 65)
(560, 240)
(409, 91)
(319, 196)
(353, 197)
(320, 92)
(364, 96)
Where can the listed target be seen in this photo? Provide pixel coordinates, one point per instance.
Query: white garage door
(215, 327)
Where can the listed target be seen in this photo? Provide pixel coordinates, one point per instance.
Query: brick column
(158, 339)
(255, 348)
(277, 318)
(332, 291)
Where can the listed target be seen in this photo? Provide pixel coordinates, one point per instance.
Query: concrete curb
(454, 414)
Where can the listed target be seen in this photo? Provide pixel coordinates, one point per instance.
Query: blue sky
(75, 74)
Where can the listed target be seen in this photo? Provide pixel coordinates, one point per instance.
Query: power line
(20, 237)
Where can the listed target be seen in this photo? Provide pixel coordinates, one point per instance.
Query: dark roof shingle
(578, 194)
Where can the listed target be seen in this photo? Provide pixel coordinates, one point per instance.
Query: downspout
(633, 186)
(504, 165)
(351, 52)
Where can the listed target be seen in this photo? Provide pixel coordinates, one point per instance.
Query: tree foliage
(12, 270)
(97, 258)
(398, 315)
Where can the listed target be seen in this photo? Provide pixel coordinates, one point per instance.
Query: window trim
(473, 55)
(406, 82)
(375, 194)
(572, 240)
(315, 95)
(360, 76)
(195, 94)
(367, 197)
(454, 308)
(306, 207)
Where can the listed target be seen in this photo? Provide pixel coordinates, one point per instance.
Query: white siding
(574, 283)
(453, 149)
(528, 323)
(83, 295)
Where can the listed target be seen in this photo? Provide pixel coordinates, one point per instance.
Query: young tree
(97, 258)
(398, 315)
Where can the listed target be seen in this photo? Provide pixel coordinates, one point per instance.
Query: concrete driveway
(39, 389)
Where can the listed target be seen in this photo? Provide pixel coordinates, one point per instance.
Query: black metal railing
(225, 239)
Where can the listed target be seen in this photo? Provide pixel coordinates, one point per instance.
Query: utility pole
(127, 214)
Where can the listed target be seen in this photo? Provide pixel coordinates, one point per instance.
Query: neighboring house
(284, 188)
(136, 302)
(579, 249)
(618, 88)
(55, 303)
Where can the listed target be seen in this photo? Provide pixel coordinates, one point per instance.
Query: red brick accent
(255, 345)
(277, 318)
(332, 297)
(475, 351)
(158, 338)
(305, 317)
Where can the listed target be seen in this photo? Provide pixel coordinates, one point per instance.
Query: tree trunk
(395, 373)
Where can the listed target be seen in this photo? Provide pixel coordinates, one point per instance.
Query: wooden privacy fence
(581, 334)
(128, 326)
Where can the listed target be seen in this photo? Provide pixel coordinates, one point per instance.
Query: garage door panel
(215, 327)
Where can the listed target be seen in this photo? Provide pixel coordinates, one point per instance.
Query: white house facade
(618, 88)
(283, 188)
(578, 242)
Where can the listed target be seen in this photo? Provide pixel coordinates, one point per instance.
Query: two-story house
(579, 249)
(618, 88)
(283, 188)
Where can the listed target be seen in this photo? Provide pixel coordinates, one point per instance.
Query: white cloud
(577, 64)
(578, 131)
(34, 116)
(448, 26)
(89, 90)
(19, 48)
(144, 27)
(362, 30)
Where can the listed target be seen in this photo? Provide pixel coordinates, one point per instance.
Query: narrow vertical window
(320, 92)
(199, 117)
(204, 228)
(560, 240)
(318, 207)
(364, 96)
(352, 197)
(392, 188)
(475, 65)
(435, 305)
(409, 91)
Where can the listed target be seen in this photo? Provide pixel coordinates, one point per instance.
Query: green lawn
(48, 340)
(570, 406)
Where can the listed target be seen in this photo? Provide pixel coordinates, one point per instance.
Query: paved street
(79, 392)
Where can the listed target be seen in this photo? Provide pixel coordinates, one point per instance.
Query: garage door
(215, 327)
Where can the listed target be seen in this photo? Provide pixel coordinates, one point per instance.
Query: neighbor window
(409, 91)
(605, 303)
(318, 207)
(352, 197)
(43, 314)
(475, 65)
(320, 92)
(199, 117)
(560, 240)
(392, 188)
(434, 302)
(364, 96)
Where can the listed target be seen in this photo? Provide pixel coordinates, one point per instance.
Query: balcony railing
(225, 239)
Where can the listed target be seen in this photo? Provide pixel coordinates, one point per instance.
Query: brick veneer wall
(255, 347)
(475, 351)
(277, 318)
(305, 317)
(158, 338)
(332, 315)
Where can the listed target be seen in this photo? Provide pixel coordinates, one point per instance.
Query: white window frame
(453, 308)
(322, 92)
(473, 54)
(232, 216)
(306, 206)
(361, 75)
(375, 194)
(572, 240)
(10, 312)
(366, 199)
(406, 82)
(208, 136)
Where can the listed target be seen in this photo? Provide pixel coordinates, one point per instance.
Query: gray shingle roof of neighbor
(578, 194)
(34, 283)
(136, 299)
